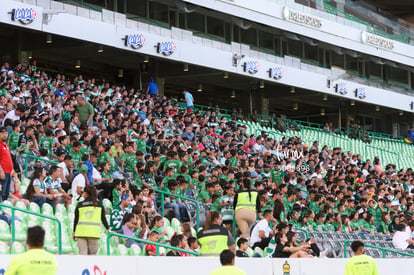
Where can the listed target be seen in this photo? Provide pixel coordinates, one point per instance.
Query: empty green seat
(5, 231)
(4, 249)
(17, 248)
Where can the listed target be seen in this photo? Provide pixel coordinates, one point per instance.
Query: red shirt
(151, 247)
(5, 158)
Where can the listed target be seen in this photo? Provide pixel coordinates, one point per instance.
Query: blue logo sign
(96, 271)
(166, 48)
(135, 41)
(251, 67)
(2, 271)
(276, 73)
(342, 88)
(361, 93)
(25, 16)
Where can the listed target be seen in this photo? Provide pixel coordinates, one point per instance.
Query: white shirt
(400, 240)
(11, 115)
(263, 225)
(65, 170)
(78, 181)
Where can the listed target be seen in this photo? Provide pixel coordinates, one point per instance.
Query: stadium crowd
(130, 144)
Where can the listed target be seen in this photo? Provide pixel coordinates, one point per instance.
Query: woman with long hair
(246, 203)
(36, 191)
(89, 214)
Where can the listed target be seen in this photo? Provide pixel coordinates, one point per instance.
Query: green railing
(212, 37)
(13, 209)
(158, 245)
(81, 4)
(263, 50)
(163, 194)
(150, 21)
(383, 249)
(304, 231)
(35, 158)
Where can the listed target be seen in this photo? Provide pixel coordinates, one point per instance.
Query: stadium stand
(160, 159)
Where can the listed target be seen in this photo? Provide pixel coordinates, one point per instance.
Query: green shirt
(84, 111)
(34, 261)
(277, 176)
(233, 162)
(174, 164)
(116, 218)
(47, 143)
(361, 265)
(13, 140)
(129, 161)
(103, 158)
(204, 195)
(76, 157)
(149, 179)
(141, 145)
(115, 196)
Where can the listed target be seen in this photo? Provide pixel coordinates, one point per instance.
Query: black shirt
(279, 253)
(240, 253)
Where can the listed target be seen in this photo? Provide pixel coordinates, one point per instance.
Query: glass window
(137, 7)
(195, 21)
(311, 52)
(337, 59)
(398, 75)
(266, 40)
(249, 36)
(181, 18)
(215, 26)
(158, 11)
(351, 63)
(295, 48)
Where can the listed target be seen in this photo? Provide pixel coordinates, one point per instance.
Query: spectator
(246, 202)
(283, 250)
(262, 232)
(227, 264)
(36, 260)
(79, 183)
(118, 213)
(360, 264)
(36, 191)
(152, 88)
(6, 165)
(402, 239)
(242, 244)
(85, 110)
(189, 100)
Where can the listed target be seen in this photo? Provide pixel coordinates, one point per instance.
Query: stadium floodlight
(200, 88)
(29, 54)
(322, 111)
(120, 73)
(325, 97)
(233, 94)
(146, 59)
(292, 90)
(78, 64)
(49, 38)
(295, 106)
(186, 69)
(352, 103)
(377, 108)
(261, 84)
(226, 75)
(100, 49)
(401, 113)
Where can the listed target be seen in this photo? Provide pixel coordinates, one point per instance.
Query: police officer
(246, 203)
(214, 238)
(36, 261)
(89, 214)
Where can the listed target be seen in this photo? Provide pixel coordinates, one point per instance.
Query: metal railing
(35, 158)
(13, 217)
(164, 193)
(383, 249)
(81, 4)
(158, 245)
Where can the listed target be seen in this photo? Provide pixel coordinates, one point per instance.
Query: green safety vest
(89, 222)
(213, 240)
(243, 201)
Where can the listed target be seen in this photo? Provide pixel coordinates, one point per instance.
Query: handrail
(257, 48)
(304, 231)
(163, 193)
(210, 36)
(36, 158)
(383, 249)
(158, 245)
(137, 18)
(35, 214)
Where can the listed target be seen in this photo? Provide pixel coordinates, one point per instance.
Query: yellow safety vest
(213, 240)
(243, 201)
(89, 221)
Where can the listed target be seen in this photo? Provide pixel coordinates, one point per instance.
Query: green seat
(122, 250)
(107, 204)
(170, 232)
(47, 209)
(176, 225)
(166, 222)
(4, 249)
(34, 207)
(5, 231)
(7, 210)
(60, 208)
(17, 248)
(20, 232)
(135, 250)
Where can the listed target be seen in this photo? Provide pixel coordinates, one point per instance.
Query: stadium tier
(275, 129)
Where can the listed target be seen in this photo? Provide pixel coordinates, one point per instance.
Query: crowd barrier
(104, 265)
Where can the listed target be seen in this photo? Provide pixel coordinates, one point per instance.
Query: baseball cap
(83, 168)
(124, 197)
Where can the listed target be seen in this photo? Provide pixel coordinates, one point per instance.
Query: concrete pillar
(161, 83)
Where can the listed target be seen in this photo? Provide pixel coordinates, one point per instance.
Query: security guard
(246, 203)
(214, 238)
(227, 265)
(36, 261)
(87, 224)
(360, 264)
